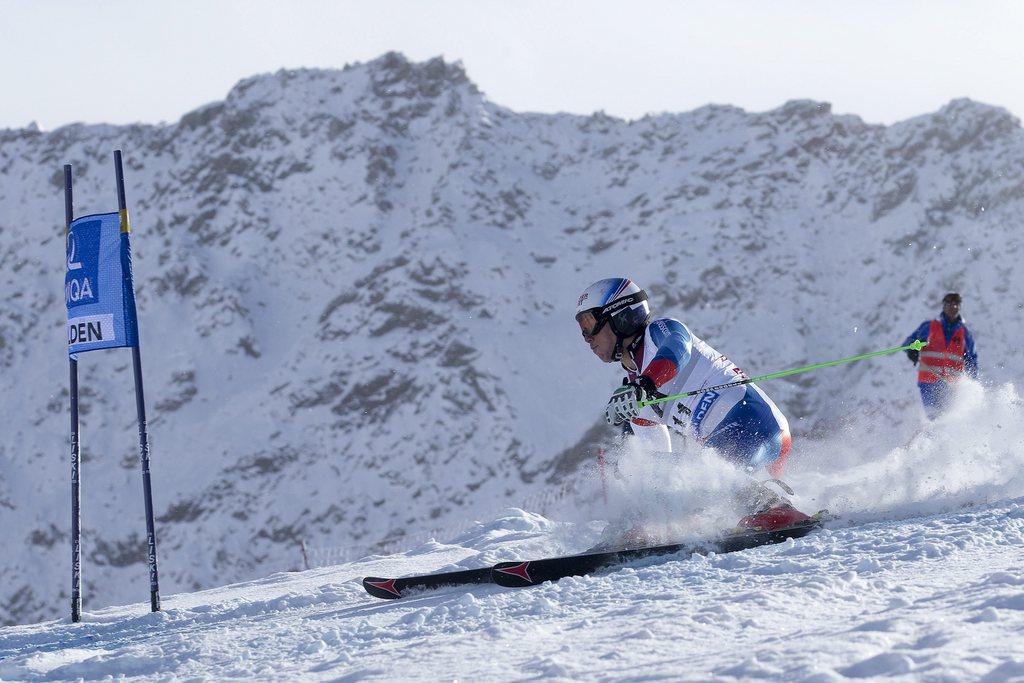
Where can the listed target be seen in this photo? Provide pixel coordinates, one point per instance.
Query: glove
(624, 404)
(913, 355)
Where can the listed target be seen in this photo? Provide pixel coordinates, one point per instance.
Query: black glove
(913, 355)
(647, 387)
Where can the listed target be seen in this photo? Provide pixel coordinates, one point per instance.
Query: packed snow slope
(929, 591)
(356, 290)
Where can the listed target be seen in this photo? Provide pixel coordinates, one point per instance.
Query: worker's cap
(952, 297)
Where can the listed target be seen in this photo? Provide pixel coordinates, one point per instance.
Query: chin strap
(617, 351)
(637, 341)
(633, 345)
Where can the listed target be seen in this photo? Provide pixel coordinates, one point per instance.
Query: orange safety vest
(940, 361)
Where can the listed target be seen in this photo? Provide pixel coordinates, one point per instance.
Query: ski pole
(913, 346)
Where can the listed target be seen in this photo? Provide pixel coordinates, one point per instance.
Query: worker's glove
(624, 404)
(913, 355)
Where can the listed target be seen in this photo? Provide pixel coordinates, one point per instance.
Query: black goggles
(606, 313)
(599, 322)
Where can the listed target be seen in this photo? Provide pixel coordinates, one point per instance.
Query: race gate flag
(98, 285)
(100, 299)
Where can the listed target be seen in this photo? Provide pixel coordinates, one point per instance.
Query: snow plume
(869, 470)
(972, 454)
(671, 496)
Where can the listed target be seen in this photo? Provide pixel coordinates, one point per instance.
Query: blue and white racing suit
(740, 422)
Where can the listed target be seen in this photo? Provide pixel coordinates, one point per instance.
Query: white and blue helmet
(619, 302)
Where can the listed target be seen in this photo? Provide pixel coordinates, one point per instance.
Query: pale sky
(122, 61)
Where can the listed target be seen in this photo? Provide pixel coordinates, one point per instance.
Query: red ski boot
(781, 517)
(768, 510)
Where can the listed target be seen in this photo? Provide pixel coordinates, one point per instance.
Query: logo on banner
(81, 284)
(91, 328)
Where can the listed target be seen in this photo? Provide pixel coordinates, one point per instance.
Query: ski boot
(622, 535)
(767, 509)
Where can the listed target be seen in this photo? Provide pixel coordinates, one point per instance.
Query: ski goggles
(595, 328)
(608, 313)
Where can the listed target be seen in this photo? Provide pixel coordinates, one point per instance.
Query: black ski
(530, 573)
(390, 589)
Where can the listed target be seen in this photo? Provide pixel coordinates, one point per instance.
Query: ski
(533, 572)
(391, 589)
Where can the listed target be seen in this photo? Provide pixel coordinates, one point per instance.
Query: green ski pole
(913, 346)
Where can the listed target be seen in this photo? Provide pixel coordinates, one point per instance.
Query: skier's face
(602, 343)
(951, 308)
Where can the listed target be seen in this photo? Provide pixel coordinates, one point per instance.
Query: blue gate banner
(98, 286)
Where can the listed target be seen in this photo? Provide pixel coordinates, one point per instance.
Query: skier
(662, 357)
(949, 355)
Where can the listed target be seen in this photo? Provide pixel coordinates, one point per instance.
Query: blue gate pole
(76, 448)
(140, 401)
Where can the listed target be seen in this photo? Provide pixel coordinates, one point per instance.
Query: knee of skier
(650, 436)
(776, 453)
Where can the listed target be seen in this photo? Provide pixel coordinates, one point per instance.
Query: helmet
(620, 302)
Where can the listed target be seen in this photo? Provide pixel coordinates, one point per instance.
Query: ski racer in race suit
(662, 357)
(950, 355)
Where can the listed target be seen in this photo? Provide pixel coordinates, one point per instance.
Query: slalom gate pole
(140, 401)
(76, 448)
(913, 346)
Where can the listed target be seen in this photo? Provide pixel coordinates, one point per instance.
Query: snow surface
(929, 598)
(920, 580)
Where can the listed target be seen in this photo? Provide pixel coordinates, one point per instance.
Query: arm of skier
(920, 334)
(970, 355)
(674, 346)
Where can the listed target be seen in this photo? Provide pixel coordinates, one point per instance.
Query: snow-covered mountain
(356, 288)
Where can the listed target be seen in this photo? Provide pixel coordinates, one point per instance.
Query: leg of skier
(755, 435)
(629, 527)
(935, 398)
